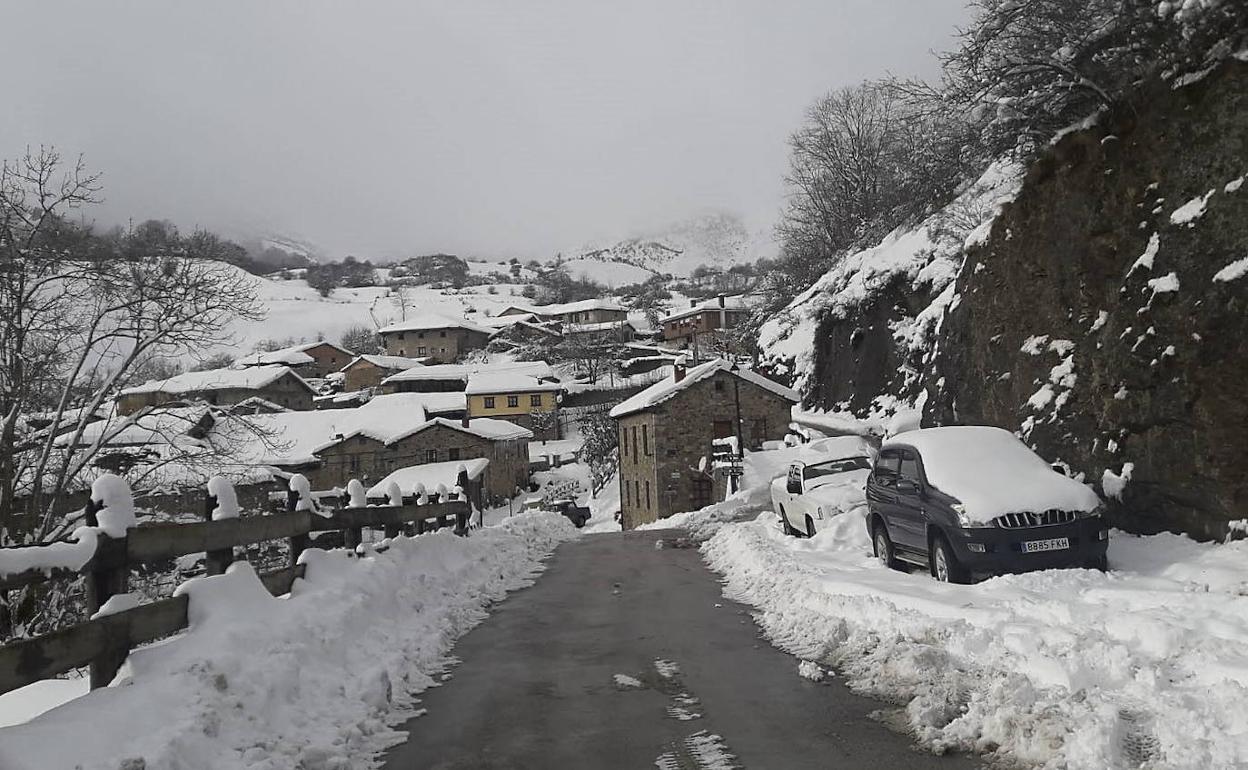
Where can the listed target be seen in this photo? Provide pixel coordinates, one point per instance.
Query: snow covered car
(967, 501)
(817, 489)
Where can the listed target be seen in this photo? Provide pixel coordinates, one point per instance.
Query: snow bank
(1143, 666)
(313, 680)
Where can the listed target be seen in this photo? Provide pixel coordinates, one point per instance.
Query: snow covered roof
(538, 369)
(735, 303)
(295, 355)
(433, 403)
(249, 378)
(163, 425)
(602, 326)
(502, 321)
(387, 362)
(582, 306)
(433, 321)
(507, 382)
(485, 427)
(992, 472)
(669, 387)
(429, 475)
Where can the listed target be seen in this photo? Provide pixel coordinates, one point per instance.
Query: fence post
(352, 537)
(215, 562)
(102, 584)
(298, 543)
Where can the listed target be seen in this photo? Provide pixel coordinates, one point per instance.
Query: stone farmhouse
(440, 339)
(683, 329)
(311, 359)
(516, 397)
(274, 383)
(667, 430)
(367, 371)
(588, 311)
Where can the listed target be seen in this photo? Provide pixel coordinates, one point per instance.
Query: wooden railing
(102, 643)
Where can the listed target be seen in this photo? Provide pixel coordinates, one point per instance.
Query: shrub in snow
(226, 500)
(117, 513)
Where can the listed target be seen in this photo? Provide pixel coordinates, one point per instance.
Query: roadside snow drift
(1146, 666)
(309, 681)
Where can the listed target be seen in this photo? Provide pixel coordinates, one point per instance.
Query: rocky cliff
(1100, 310)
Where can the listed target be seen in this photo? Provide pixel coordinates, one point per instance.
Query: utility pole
(738, 459)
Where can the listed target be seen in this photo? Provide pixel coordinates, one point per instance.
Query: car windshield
(832, 467)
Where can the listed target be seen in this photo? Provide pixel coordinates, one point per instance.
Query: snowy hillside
(721, 240)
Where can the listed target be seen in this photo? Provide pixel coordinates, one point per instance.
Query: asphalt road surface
(697, 686)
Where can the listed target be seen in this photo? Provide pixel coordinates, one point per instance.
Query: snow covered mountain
(719, 240)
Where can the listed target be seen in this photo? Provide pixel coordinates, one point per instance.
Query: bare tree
(79, 321)
(600, 449)
(361, 340)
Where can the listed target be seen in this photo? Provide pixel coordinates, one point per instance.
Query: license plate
(1053, 544)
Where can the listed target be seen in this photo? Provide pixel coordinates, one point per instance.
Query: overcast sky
(378, 127)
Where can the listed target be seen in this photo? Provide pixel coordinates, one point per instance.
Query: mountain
(719, 240)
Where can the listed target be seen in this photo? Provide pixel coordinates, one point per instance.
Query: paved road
(537, 688)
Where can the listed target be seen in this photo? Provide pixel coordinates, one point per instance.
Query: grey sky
(480, 127)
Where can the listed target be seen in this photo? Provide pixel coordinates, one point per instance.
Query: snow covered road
(1146, 666)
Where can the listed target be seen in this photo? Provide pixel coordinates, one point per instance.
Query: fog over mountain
(487, 128)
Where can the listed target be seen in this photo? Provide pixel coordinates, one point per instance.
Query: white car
(816, 489)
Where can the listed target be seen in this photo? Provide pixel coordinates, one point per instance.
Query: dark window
(421, 335)
(647, 493)
(623, 443)
(626, 500)
(758, 433)
(700, 494)
(489, 402)
(452, 453)
(634, 443)
(722, 428)
(431, 455)
(910, 468)
(513, 401)
(442, 334)
(400, 335)
(645, 440)
(888, 465)
(535, 399)
(355, 462)
(637, 490)
(719, 386)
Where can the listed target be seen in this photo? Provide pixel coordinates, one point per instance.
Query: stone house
(442, 340)
(309, 359)
(504, 444)
(516, 397)
(586, 311)
(666, 434)
(274, 383)
(367, 371)
(682, 329)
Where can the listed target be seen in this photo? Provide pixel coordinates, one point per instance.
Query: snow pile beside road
(1144, 666)
(312, 680)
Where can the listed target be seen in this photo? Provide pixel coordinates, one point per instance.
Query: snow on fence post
(294, 497)
(111, 510)
(219, 503)
(395, 496)
(356, 497)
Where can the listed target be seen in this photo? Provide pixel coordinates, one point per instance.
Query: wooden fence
(103, 642)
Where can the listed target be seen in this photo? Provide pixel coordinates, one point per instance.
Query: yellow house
(519, 398)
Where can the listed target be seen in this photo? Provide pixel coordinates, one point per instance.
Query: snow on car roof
(992, 472)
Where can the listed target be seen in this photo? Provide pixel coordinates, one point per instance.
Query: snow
(300, 485)
(1165, 284)
(810, 670)
(1189, 212)
(624, 680)
(1114, 483)
(1145, 260)
(609, 274)
(1237, 269)
(355, 491)
(669, 387)
(992, 473)
(117, 603)
(428, 476)
(227, 500)
(249, 378)
(433, 321)
(317, 679)
(737, 302)
(26, 703)
(117, 515)
(388, 362)
(507, 382)
(1141, 667)
(539, 369)
(70, 555)
(1234, 185)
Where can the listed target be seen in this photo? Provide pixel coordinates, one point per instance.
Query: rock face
(1103, 319)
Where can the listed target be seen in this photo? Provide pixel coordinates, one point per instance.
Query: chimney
(721, 300)
(678, 369)
(693, 303)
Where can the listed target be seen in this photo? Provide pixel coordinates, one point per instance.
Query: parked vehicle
(969, 501)
(577, 514)
(816, 489)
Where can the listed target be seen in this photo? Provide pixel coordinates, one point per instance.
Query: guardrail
(103, 642)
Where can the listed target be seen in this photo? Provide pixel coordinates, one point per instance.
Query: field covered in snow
(314, 680)
(1144, 666)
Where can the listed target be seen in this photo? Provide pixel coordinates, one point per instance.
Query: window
(887, 467)
(513, 401)
(637, 490)
(647, 493)
(354, 463)
(420, 351)
(421, 335)
(489, 402)
(626, 495)
(645, 440)
(758, 433)
(401, 352)
(535, 399)
(452, 453)
(431, 455)
(719, 386)
(442, 333)
(400, 335)
(634, 443)
(623, 442)
(722, 428)
(910, 468)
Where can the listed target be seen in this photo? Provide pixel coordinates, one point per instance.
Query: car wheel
(810, 526)
(785, 525)
(945, 567)
(883, 546)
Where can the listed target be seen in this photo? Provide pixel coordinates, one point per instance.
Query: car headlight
(965, 521)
